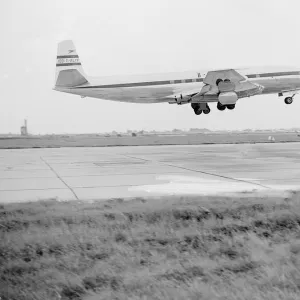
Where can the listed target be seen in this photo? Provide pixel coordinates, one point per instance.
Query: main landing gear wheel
(220, 106)
(200, 108)
(288, 100)
(206, 111)
(196, 108)
(231, 106)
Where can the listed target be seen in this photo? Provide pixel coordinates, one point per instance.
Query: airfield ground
(147, 171)
(94, 140)
(183, 222)
(176, 248)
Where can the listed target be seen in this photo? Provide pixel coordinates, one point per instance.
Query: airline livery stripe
(144, 83)
(274, 74)
(68, 64)
(67, 56)
(151, 83)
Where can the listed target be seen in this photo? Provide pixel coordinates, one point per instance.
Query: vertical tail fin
(69, 72)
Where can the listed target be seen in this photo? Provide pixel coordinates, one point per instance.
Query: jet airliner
(224, 87)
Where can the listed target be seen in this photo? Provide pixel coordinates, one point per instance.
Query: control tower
(24, 130)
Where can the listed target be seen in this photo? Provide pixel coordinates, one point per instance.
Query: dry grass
(182, 248)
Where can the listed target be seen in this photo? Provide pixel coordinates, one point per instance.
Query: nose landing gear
(288, 100)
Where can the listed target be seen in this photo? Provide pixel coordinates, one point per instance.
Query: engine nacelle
(228, 98)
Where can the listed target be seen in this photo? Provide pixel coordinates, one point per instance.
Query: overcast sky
(133, 37)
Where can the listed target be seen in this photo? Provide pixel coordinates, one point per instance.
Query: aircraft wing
(230, 80)
(219, 82)
(231, 74)
(290, 91)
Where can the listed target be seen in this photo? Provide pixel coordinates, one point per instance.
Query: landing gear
(200, 107)
(288, 100)
(221, 106)
(196, 108)
(198, 111)
(207, 110)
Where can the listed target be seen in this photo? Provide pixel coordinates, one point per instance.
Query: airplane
(225, 87)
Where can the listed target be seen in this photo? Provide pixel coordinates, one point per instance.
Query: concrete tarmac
(122, 172)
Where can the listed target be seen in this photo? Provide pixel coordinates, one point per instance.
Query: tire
(198, 112)
(231, 106)
(288, 100)
(194, 106)
(220, 106)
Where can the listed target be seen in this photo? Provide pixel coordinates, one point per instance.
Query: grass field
(54, 141)
(175, 248)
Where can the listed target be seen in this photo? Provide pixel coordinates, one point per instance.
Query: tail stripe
(68, 64)
(67, 56)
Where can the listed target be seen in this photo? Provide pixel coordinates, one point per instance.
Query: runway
(122, 172)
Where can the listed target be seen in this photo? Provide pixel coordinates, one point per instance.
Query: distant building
(24, 130)
(271, 139)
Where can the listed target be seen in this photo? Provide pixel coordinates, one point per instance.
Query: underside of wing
(290, 92)
(224, 86)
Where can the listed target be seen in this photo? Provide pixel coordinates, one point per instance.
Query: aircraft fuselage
(140, 89)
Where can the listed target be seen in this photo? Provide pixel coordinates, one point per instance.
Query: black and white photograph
(150, 149)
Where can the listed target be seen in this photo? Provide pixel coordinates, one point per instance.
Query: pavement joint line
(203, 172)
(22, 178)
(38, 189)
(60, 178)
(76, 187)
(91, 175)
